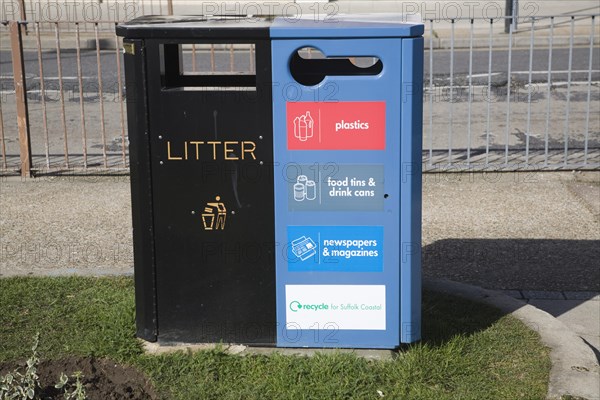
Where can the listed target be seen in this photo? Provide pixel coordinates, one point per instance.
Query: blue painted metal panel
(411, 188)
(346, 26)
(342, 308)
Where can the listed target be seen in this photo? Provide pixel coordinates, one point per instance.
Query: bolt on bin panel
(335, 293)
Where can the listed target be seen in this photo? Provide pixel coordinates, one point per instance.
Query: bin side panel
(141, 191)
(411, 184)
(306, 224)
(213, 204)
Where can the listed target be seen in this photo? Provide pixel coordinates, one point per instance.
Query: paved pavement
(532, 236)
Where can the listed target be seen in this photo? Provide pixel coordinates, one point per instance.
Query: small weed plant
(17, 385)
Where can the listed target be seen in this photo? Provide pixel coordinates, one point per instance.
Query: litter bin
(279, 205)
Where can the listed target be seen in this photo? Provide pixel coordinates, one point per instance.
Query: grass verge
(469, 350)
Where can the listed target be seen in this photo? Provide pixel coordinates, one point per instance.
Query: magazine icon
(304, 248)
(304, 126)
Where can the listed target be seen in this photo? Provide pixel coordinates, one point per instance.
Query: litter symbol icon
(214, 215)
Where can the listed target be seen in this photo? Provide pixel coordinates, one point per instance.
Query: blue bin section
(347, 153)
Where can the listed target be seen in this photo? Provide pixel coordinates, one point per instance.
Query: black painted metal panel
(211, 161)
(141, 190)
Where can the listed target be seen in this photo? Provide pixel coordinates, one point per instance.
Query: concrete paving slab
(513, 293)
(158, 348)
(582, 317)
(543, 294)
(582, 295)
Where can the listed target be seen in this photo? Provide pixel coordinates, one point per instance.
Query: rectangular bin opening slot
(309, 66)
(209, 66)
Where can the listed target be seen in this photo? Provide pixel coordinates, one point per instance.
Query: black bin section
(201, 180)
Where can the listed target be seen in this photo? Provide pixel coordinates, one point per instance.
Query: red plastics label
(345, 125)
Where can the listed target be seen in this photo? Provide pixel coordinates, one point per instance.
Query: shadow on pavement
(519, 264)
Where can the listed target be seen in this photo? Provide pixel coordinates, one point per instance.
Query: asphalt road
(441, 67)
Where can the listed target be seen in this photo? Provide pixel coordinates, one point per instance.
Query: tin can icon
(299, 191)
(311, 190)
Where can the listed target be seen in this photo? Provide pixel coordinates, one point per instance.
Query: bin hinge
(129, 48)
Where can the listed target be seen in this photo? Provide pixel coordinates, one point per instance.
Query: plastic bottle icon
(304, 127)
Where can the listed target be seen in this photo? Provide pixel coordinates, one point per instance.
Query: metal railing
(492, 101)
(506, 118)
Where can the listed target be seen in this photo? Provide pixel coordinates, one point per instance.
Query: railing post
(511, 11)
(23, 11)
(508, 13)
(170, 7)
(16, 44)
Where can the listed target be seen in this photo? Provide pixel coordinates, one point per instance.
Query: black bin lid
(196, 27)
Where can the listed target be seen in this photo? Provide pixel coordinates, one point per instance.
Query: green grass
(469, 350)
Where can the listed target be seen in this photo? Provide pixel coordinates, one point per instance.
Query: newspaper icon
(304, 248)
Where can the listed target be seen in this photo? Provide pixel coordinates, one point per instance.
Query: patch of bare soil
(103, 379)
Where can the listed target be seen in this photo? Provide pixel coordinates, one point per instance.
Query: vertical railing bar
(549, 92)
(43, 93)
(151, 7)
(529, 90)
(212, 57)
(62, 94)
(508, 93)
(121, 105)
(431, 94)
(160, 7)
(469, 123)
(81, 102)
(143, 8)
(568, 107)
(451, 122)
(194, 57)
(4, 164)
(101, 96)
(489, 89)
(20, 86)
(231, 58)
(589, 94)
(252, 66)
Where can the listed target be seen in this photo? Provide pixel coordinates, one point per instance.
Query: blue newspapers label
(335, 248)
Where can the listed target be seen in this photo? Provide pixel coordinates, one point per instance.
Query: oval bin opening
(309, 66)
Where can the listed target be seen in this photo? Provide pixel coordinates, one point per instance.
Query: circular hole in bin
(385, 196)
(309, 66)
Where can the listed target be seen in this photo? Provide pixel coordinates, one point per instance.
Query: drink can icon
(311, 190)
(299, 190)
(302, 179)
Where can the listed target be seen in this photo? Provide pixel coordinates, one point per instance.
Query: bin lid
(348, 26)
(196, 27)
